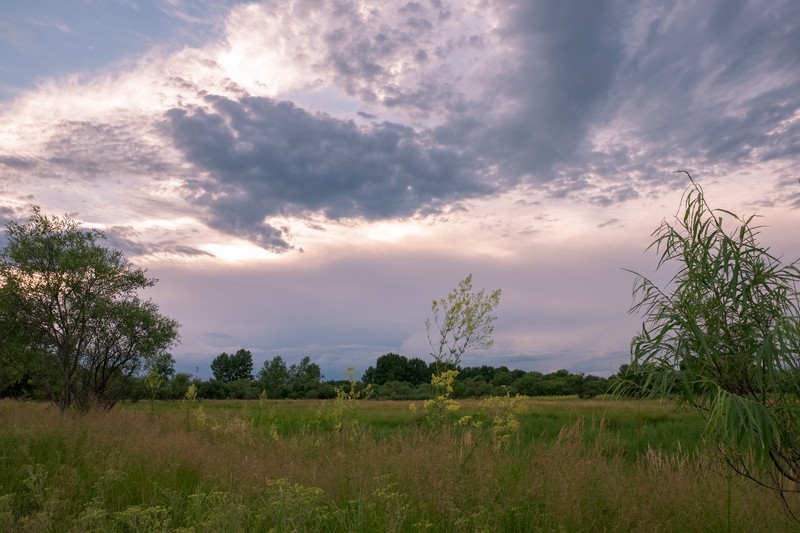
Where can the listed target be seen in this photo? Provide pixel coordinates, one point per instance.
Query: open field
(572, 465)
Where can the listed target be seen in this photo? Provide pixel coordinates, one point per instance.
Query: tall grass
(284, 466)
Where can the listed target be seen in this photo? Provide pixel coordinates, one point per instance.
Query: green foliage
(401, 390)
(503, 411)
(462, 321)
(442, 404)
(228, 368)
(191, 393)
(339, 414)
(305, 379)
(274, 377)
(394, 367)
(154, 383)
(179, 385)
(70, 315)
(726, 337)
(162, 364)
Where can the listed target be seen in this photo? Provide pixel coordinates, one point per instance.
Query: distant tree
(593, 386)
(502, 377)
(11, 380)
(476, 386)
(154, 383)
(419, 371)
(179, 385)
(726, 338)
(485, 371)
(244, 389)
(227, 368)
(517, 373)
(214, 389)
(274, 377)
(394, 390)
(533, 384)
(462, 321)
(16, 383)
(163, 365)
(70, 313)
(304, 377)
(388, 367)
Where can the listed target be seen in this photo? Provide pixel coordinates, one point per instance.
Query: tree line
(392, 377)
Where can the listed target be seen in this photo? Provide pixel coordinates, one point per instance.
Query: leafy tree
(214, 389)
(533, 384)
(419, 371)
(593, 386)
(70, 314)
(388, 367)
(274, 376)
(16, 383)
(154, 383)
(163, 365)
(486, 371)
(304, 377)
(630, 380)
(462, 321)
(395, 390)
(179, 385)
(475, 387)
(244, 389)
(726, 337)
(228, 368)
(502, 377)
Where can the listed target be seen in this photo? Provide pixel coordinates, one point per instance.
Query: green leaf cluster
(70, 313)
(725, 336)
(228, 368)
(462, 321)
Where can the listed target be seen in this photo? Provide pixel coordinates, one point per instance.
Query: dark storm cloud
(596, 102)
(711, 82)
(566, 55)
(712, 85)
(699, 85)
(266, 158)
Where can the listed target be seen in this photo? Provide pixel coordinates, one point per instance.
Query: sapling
(725, 338)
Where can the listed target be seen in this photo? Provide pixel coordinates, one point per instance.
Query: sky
(305, 177)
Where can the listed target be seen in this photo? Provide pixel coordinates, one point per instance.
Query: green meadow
(530, 464)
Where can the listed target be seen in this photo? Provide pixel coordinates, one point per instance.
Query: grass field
(346, 465)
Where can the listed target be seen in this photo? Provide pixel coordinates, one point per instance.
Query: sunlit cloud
(447, 137)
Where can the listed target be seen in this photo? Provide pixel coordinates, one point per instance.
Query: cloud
(97, 150)
(19, 163)
(328, 111)
(705, 85)
(399, 143)
(263, 158)
(134, 243)
(559, 72)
